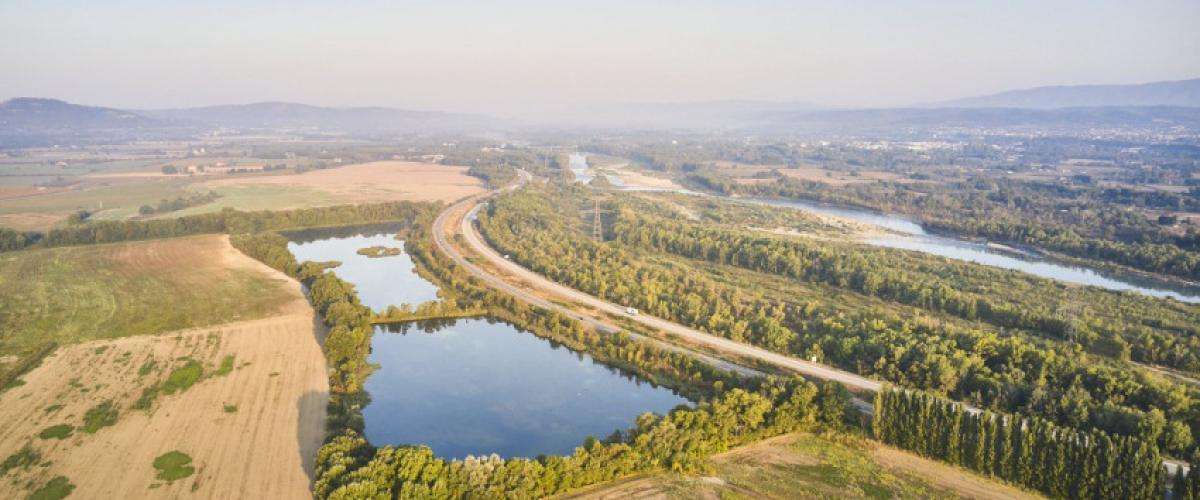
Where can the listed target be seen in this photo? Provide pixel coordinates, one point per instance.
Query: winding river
(903, 233)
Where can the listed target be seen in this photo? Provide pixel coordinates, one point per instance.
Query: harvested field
(364, 183)
(245, 401)
(31, 221)
(77, 294)
(110, 199)
(810, 466)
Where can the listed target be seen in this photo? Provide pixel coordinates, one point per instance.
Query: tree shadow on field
(310, 433)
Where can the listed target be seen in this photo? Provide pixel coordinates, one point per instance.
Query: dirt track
(263, 449)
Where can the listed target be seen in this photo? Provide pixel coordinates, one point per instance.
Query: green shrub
(173, 465)
(146, 400)
(230, 408)
(22, 458)
(100, 416)
(226, 366)
(147, 367)
(57, 488)
(60, 431)
(183, 377)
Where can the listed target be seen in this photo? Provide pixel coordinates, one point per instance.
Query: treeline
(1151, 332)
(735, 410)
(538, 227)
(1079, 223)
(1031, 452)
(179, 203)
(349, 468)
(493, 175)
(442, 308)
(225, 221)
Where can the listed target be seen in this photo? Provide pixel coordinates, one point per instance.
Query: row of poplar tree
(1031, 452)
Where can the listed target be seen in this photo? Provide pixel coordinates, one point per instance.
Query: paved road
(689, 335)
(439, 236)
(685, 334)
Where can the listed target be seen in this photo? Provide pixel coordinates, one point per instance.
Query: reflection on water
(584, 173)
(475, 387)
(380, 281)
(914, 237)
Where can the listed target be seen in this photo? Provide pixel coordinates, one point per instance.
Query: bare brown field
(379, 181)
(251, 424)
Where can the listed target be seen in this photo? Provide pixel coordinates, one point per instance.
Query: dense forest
(1141, 328)
(1088, 223)
(1060, 462)
(989, 367)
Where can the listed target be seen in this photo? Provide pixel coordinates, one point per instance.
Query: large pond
(476, 387)
(909, 235)
(380, 281)
(473, 386)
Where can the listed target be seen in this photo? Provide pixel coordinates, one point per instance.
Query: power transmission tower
(1070, 312)
(597, 230)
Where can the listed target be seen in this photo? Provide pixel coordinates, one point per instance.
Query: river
(906, 234)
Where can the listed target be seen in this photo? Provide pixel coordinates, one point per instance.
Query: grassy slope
(75, 294)
(808, 466)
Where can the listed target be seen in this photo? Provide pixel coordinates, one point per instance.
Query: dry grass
(366, 183)
(31, 221)
(945, 476)
(277, 382)
(77, 294)
(809, 466)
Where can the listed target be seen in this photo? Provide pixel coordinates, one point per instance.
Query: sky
(527, 55)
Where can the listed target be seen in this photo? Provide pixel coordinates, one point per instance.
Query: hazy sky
(504, 56)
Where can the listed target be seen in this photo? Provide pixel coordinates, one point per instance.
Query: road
(683, 333)
(694, 337)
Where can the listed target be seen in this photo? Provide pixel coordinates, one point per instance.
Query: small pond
(473, 386)
(476, 387)
(380, 281)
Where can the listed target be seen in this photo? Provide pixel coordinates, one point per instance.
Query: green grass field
(75, 294)
(262, 197)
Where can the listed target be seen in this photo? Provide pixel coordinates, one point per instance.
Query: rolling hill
(1177, 93)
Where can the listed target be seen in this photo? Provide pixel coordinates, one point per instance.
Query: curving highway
(685, 334)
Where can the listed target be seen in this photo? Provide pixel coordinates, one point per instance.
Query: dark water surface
(474, 387)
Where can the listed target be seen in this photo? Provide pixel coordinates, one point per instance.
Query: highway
(439, 236)
(688, 335)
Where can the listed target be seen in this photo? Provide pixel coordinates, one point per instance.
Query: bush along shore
(732, 410)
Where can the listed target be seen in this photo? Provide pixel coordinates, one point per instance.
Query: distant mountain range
(28, 121)
(286, 115)
(1179, 93)
(682, 115)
